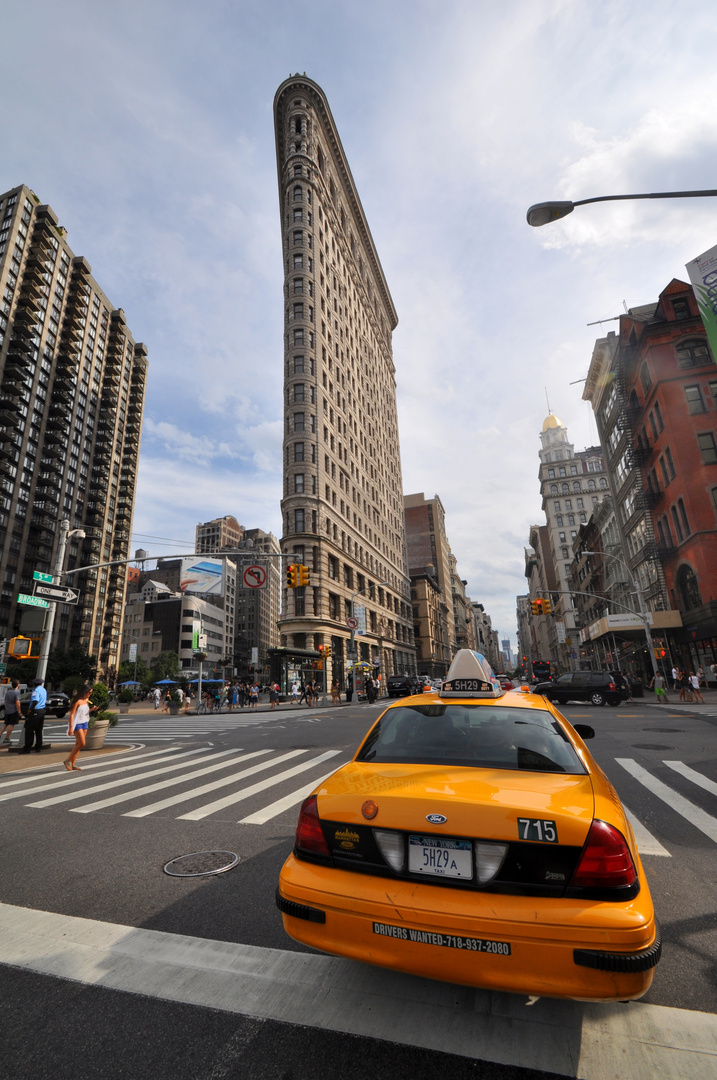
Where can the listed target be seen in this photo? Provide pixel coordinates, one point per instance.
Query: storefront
(287, 666)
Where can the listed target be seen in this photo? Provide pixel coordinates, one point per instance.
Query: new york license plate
(439, 857)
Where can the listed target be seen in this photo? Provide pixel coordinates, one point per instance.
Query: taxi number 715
(537, 829)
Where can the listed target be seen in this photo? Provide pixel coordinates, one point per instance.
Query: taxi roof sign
(470, 675)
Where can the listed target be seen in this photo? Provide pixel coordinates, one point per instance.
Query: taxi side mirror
(584, 731)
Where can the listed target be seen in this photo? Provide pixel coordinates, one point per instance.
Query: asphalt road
(99, 855)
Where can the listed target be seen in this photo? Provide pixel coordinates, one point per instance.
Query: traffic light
(292, 576)
(547, 607)
(303, 576)
(536, 606)
(327, 651)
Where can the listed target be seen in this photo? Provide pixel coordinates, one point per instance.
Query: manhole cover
(201, 864)
(650, 746)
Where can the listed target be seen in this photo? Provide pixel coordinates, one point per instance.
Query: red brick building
(669, 385)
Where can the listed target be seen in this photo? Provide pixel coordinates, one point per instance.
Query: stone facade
(342, 506)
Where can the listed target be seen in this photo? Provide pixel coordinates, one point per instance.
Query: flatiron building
(342, 506)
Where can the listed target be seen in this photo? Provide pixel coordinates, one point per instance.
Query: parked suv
(57, 703)
(595, 686)
(402, 685)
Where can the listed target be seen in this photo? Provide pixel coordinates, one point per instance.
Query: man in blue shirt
(35, 718)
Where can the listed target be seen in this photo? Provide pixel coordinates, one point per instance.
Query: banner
(204, 576)
(360, 614)
(703, 277)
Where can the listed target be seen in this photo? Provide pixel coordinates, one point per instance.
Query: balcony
(648, 498)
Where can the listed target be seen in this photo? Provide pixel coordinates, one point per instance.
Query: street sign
(57, 594)
(133, 652)
(351, 622)
(3, 669)
(254, 577)
(31, 601)
(39, 576)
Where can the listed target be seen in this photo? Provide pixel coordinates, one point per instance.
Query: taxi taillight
(606, 862)
(309, 834)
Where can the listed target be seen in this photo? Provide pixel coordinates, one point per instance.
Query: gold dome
(551, 422)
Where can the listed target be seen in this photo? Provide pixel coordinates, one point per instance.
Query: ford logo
(436, 819)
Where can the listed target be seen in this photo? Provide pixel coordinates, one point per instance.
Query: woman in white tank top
(79, 720)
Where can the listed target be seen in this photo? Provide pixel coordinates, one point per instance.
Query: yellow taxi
(473, 839)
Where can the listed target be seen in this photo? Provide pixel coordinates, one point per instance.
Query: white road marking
(79, 779)
(48, 771)
(590, 1040)
(80, 790)
(691, 774)
(278, 807)
(185, 796)
(214, 765)
(694, 814)
(647, 844)
(239, 796)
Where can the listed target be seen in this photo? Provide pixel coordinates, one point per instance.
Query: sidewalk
(50, 755)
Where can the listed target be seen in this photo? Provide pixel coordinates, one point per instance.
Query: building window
(298, 337)
(299, 392)
(693, 395)
(298, 451)
(708, 447)
(681, 308)
(299, 421)
(561, 471)
(551, 474)
(299, 483)
(298, 521)
(559, 520)
(568, 504)
(298, 262)
(298, 237)
(556, 505)
(553, 489)
(683, 517)
(333, 567)
(692, 354)
(676, 524)
(645, 378)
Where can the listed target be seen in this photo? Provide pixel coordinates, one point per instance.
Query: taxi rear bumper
(548, 947)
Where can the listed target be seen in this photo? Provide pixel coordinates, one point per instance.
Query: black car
(597, 687)
(403, 685)
(57, 703)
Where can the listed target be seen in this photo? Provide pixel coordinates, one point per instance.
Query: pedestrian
(701, 676)
(695, 684)
(165, 703)
(370, 693)
(658, 683)
(78, 723)
(35, 718)
(675, 677)
(13, 712)
(627, 683)
(273, 694)
(349, 689)
(254, 696)
(180, 695)
(157, 695)
(335, 693)
(294, 692)
(303, 691)
(682, 684)
(187, 699)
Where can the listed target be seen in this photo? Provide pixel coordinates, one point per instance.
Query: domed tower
(342, 506)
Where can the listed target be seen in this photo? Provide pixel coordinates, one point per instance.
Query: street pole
(637, 592)
(50, 617)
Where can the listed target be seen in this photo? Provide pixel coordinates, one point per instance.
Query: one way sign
(58, 594)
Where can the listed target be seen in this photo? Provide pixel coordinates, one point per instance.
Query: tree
(74, 662)
(165, 666)
(126, 672)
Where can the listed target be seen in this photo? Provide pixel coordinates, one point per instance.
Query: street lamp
(545, 212)
(643, 613)
(65, 533)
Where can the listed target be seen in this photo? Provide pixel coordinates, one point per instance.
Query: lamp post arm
(543, 213)
(641, 615)
(651, 195)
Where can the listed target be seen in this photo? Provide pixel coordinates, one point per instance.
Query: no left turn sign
(254, 577)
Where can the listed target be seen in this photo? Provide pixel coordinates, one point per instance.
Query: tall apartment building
(342, 506)
(571, 485)
(72, 390)
(653, 388)
(429, 559)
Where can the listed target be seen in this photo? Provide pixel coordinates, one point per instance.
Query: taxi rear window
(475, 736)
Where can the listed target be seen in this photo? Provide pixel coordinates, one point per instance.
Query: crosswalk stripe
(691, 774)
(80, 790)
(136, 793)
(647, 844)
(51, 770)
(238, 796)
(171, 753)
(274, 809)
(694, 814)
(185, 796)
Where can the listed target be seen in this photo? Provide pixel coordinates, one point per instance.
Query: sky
(148, 127)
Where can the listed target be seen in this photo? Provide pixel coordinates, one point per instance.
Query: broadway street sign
(31, 601)
(56, 594)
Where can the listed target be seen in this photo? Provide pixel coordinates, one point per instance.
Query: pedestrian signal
(303, 576)
(292, 576)
(20, 648)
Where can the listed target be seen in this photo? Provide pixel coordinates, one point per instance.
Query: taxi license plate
(438, 857)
